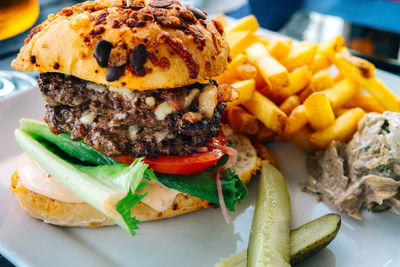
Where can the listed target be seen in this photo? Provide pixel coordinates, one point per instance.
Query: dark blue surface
(273, 14)
(381, 14)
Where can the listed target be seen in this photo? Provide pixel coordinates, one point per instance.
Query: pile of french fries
(307, 93)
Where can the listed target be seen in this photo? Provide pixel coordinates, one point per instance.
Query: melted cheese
(163, 110)
(133, 130)
(161, 135)
(87, 117)
(150, 101)
(37, 180)
(96, 87)
(127, 94)
(191, 96)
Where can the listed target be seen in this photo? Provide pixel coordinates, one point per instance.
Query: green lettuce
(203, 185)
(110, 186)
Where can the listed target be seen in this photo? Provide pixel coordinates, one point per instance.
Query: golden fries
(302, 139)
(267, 112)
(289, 104)
(362, 73)
(366, 102)
(319, 111)
(300, 55)
(278, 48)
(292, 92)
(320, 81)
(246, 90)
(242, 121)
(341, 92)
(248, 23)
(298, 79)
(239, 41)
(271, 70)
(341, 130)
(297, 119)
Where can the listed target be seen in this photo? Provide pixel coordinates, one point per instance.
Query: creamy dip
(364, 173)
(37, 180)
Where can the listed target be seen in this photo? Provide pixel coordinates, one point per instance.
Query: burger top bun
(146, 45)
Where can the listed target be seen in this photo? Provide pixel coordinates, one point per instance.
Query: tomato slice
(185, 164)
(190, 164)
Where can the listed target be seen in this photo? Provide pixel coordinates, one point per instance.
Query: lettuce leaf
(203, 185)
(108, 188)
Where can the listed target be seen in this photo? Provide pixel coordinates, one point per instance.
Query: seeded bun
(81, 214)
(149, 45)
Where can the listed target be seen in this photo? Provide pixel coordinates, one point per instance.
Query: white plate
(198, 239)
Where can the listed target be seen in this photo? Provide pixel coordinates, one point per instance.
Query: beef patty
(118, 120)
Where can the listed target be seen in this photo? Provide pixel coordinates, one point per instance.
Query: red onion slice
(232, 153)
(221, 197)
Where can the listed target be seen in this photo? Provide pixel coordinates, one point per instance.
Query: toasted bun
(71, 214)
(181, 47)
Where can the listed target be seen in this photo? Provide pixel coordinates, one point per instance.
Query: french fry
(239, 41)
(300, 55)
(338, 77)
(263, 39)
(267, 92)
(341, 130)
(326, 53)
(278, 48)
(246, 90)
(297, 119)
(341, 111)
(320, 81)
(247, 71)
(238, 61)
(228, 77)
(241, 121)
(362, 72)
(301, 138)
(319, 111)
(264, 134)
(231, 75)
(320, 62)
(267, 112)
(382, 94)
(248, 23)
(289, 104)
(331, 47)
(260, 82)
(298, 79)
(341, 93)
(271, 70)
(366, 102)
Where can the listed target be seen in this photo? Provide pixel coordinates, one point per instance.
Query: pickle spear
(305, 241)
(269, 236)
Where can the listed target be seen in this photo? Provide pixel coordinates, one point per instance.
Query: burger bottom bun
(83, 215)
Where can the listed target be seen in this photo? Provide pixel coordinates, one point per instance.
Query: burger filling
(116, 121)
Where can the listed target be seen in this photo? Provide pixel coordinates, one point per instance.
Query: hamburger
(132, 126)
